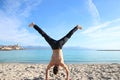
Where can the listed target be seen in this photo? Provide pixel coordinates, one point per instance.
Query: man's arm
(48, 67)
(66, 69)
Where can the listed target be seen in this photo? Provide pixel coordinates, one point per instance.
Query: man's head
(55, 69)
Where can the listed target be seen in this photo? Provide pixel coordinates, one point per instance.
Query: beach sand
(18, 71)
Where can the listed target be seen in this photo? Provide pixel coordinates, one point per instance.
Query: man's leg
(47, 38)
(65, 38)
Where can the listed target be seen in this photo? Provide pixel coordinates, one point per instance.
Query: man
(56, 45)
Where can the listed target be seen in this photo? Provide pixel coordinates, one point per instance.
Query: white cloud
(11, 29)
(20, 7)
(92, 29)
(94, 11)
(103, 25)
(29, 6)
(104, 36)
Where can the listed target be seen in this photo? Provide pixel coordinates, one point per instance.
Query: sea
(71, 56)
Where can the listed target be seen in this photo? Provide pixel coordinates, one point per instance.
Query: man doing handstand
(56, 45)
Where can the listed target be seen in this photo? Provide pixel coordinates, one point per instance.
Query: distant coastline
(47, 47)
(108, 50)
(10, 47)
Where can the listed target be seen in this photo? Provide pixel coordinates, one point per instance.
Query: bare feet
(31, 24)
(79, 27)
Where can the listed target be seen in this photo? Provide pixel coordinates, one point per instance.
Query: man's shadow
(36, 78)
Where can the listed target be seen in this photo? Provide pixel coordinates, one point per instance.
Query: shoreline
(47, 62)
(27, 71)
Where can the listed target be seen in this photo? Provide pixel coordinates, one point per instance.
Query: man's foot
(31, 24)
(79, 27)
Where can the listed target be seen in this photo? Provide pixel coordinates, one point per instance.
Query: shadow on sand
(36, 78)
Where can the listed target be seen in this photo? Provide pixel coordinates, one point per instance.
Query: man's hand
(31, 24)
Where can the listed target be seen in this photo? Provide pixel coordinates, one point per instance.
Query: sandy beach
(17, 71)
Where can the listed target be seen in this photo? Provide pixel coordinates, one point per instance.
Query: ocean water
(70, 56)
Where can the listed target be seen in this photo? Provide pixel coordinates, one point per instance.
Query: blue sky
(100, 20)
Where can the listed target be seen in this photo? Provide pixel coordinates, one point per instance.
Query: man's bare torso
(57, 57)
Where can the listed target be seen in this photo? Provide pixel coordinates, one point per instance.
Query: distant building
(11, 47)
